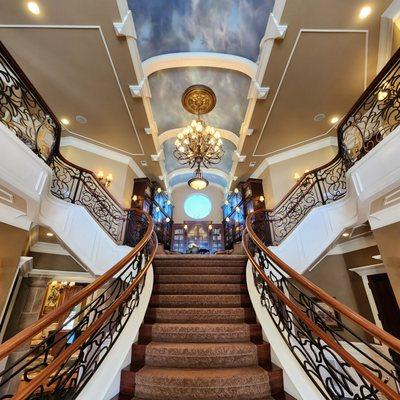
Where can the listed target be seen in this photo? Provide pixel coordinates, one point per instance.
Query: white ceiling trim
(98, 28)
(225, 134)
(353, 245)
(49, 248)
(102, 152)
(210, 184)
(295, 152)
(211, 171)
(200, 59)
(67, 276)
(301, 31)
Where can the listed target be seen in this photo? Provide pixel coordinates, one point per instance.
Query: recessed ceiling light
(252, 164)
(144, 163)
(364, 12)
(334, 119)
(346, 234)
(81, 119)
(64, 121)
(319, 117)
(33, 7)
(49, 234)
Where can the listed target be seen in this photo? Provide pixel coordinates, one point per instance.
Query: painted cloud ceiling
(224, 26)
(230, 87)
(231, 27)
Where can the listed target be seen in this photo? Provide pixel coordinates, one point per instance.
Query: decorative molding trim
(102, 152)
(257, 92)
(240, 158)
(387, 216)
(141, 90)
(199, 59)
(353, 245)
(210, 171)
(295, 152)
(172, 133)
(372, 269)
(273, 31)
(8, 197)
(126, 27)
(49, 248)
(103, 40)
(302, 31)
(211, 184)
(68, 276)
(386, 33)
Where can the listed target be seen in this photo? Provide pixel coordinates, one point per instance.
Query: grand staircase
(200, 338)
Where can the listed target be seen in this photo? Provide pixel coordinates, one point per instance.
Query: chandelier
(198, 143)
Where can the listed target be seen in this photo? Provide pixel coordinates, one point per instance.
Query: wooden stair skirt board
(200, 338)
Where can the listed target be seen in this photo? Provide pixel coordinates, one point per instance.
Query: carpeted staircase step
(199, 315)
(199, 288)
(199, 261)
(199, 278)
(195, 270)
(200, 300)
(200, 333)
(244, 383)
(201, 355)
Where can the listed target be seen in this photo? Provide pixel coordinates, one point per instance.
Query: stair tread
(200, 300)
(196, 347)
(182, 375)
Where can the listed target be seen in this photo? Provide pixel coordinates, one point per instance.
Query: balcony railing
(374, 116)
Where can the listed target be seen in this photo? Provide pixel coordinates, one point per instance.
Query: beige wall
(396, 36)
(278, 178)
(123, 176)
(13, 242)
(180, 194)
(332, 275)
(388, 238)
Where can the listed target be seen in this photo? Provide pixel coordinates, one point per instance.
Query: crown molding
(359, 243)
(67, 276)
(102, 152)
(200, 59)
(293, 153)
(49, 248)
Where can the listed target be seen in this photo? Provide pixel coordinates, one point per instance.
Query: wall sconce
(159, 190)
(262, 199)
(105, 181)
(185, 227)
(134, 197)
(236, 190)
(168, 219)
(296, 176)
(210, 227)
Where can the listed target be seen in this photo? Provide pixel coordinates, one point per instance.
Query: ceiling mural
(224, 26)
(172, 164)
(230, 87)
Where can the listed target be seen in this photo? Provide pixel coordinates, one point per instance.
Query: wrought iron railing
(374, 116)
(26, 114)
(328, 339)
(59, 366)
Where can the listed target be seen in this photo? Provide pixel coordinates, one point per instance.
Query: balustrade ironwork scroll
(318, 187)
(24, 111)
(333, 350)
(374, 116)
(60, 365)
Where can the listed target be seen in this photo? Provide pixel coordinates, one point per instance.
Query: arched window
(197, 206)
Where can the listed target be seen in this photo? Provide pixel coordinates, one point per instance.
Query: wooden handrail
(21, 337)
(42, 377)
(366, 325)
(360, 368)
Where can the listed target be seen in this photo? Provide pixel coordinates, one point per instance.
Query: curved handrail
(280, 291)
(38, 326)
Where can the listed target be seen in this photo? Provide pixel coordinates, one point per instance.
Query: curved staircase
(200, 338)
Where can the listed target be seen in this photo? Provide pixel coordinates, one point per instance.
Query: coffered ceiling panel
(230, 87)
(325, 73)
(224, 26)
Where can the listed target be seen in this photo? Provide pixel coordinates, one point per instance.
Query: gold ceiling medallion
(198, 143)
(199, 99)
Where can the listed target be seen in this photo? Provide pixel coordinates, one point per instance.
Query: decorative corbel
(126, 28)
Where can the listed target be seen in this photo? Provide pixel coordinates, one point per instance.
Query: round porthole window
(197, 206)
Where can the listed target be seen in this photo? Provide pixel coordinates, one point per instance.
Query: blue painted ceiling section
(172, 164)
(223, 26)
(230, 87)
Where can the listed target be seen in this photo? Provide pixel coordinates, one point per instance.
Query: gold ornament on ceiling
(198, 99)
